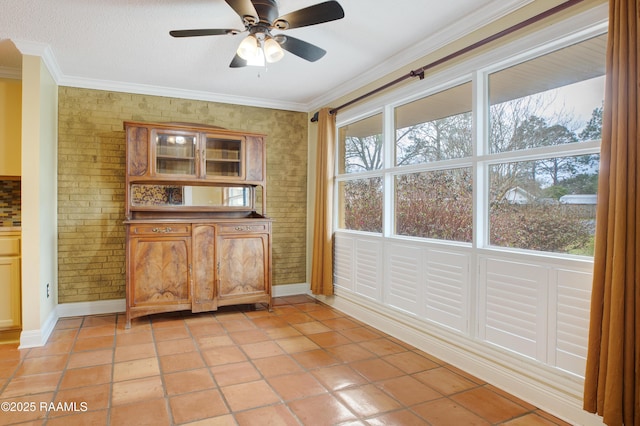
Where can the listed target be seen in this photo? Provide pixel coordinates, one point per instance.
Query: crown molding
(143, 89)
(465, 26)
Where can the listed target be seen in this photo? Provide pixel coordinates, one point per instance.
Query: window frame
(481, 158)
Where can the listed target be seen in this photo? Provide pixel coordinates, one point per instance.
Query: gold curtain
(322, 256)
(613, 358)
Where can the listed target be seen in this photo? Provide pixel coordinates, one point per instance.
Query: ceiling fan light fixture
(249, 48)
(272, 50)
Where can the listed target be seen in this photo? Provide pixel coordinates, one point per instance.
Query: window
(541, 196)
(360, 198)
(534, 164)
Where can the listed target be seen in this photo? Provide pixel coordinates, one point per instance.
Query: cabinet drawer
(9, 246)
(160, 229)
(234, 228)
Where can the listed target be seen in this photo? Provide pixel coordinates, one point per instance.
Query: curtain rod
(419, 72)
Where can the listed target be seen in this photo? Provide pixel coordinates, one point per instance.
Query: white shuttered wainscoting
(517, 321)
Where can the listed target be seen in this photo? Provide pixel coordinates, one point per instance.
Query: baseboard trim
(97, 307)
(283, 290)
(39, 337)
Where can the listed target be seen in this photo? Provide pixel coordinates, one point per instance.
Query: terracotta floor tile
(401, 417)
(262, 350)
(188, 381)
(445, 381)
(174, 347)
(182, 361)
(11, 417)
(249, 395)
(339, 377)
(231, 374)
(270, 322)
(146, 413)
(206, 329)
(249, 336)
(29, 385)
(342, 323)
(63, 334)
(60, 347)
(382, 346)
(329, 339)
(360, 334)
(271, 415)
(282, 332)
(95, 397)
(410, 362)
(325, 314)
(297, 344)
(99, 320)
(94, 343)
(445, 412)
(88, 359)
(489, 405)
(312, 327)
(315, 359)
(98, 331)
(171, 333)
(133, 352)
(45, 364)
(71, 322)
(86, 376)
(238, 325)
(80, 419)
(296, 386)
(224, 355)
(277, 365)
(135, 369)
(321, 410)
(408, 391)
(134, 338)
(368, 400)
(8, 368)
(531, 419)
(350, 353)
(296, 317)
(137, 390)
(376, 369)
(197, 406)
(207, 342)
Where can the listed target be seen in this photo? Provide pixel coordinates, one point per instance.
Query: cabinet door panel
(9, 292)
(242, 264)
(255, 158)
(204, 261)
(137, 151)
(160, 270)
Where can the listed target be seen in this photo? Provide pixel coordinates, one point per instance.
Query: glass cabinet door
(175, 153)
(223, 158)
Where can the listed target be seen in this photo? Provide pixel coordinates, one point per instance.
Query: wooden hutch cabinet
(194, 237)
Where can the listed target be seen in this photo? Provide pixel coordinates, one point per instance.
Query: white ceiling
(124, 45)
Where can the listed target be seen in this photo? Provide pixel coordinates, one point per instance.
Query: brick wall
(91, 158)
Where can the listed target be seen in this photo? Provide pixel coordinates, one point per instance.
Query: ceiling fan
(260, 17)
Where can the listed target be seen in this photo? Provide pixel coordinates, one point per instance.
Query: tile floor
(302, 364)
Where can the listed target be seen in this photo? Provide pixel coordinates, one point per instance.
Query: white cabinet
(9, 280)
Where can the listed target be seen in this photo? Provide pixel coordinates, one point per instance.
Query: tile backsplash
(10, 203)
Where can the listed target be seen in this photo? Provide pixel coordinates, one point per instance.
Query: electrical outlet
(48, 294)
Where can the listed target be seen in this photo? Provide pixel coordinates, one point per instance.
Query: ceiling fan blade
(312, 15)
(203, 32)
(238, 62)
(301, 48)
(243, 8)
